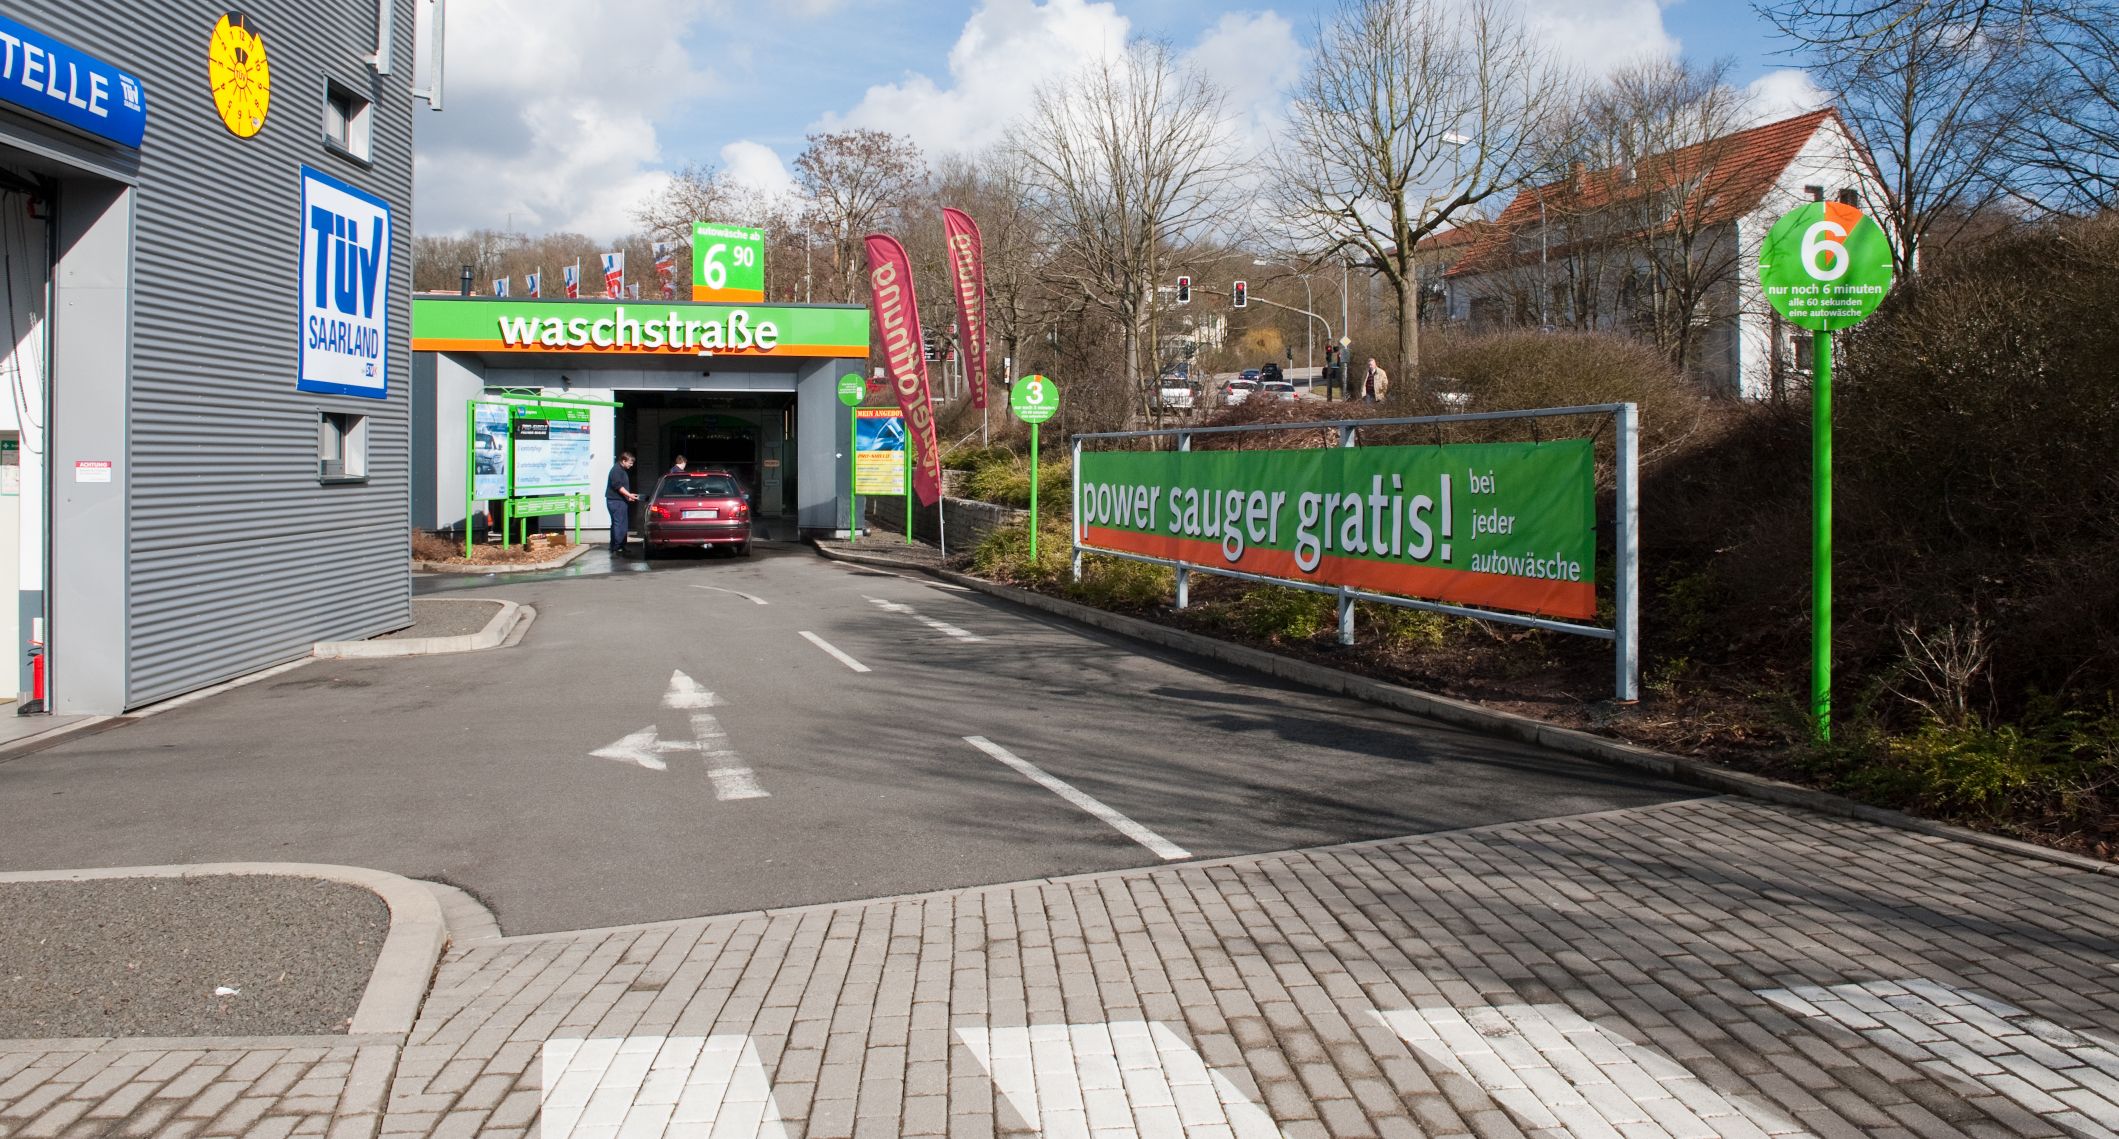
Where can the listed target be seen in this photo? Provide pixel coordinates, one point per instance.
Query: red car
(699, 508)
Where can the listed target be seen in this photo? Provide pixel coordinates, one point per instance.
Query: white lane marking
(731, 779)
(930, 622)
(1558, 1073)
(1162, 847)
(1043, 1071)
(827, 646)
(750, 597)
(689, 1086)
(1974, 1045)
(686, 693)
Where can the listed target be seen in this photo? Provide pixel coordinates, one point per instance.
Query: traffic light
(1184, 290)
(1242, 293)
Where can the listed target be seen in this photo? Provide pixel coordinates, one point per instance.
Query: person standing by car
(618, 499)
(677, 466)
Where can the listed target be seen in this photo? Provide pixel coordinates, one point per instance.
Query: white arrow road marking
(731, 779)
(641, 747)
(1976, 1044)
(1162, 847)
(753, 598)
(938, 626)
(1043, 1070)
(685, 693)
(683, 1087)
(1555, 1070)
(827, 646)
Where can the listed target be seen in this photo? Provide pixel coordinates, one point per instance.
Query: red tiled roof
(1733, 174)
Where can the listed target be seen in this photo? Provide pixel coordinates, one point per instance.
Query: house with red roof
(1666, 248)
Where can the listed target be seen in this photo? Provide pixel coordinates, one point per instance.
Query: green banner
(554, 504)
(728, 262)
(501, 324)
(1488, 525)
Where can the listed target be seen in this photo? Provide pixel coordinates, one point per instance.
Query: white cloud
(1598, 37)
(1784, 94)
(1257, 60)
(757, 166)
(1006, 49)
(551, 110)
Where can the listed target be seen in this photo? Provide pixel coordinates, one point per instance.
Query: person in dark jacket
(618, 499)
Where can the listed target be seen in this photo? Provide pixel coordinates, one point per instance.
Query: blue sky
(564, 115)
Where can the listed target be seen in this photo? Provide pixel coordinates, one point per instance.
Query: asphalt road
(481, 769)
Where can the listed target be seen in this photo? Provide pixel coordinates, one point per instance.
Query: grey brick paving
(1709, 968)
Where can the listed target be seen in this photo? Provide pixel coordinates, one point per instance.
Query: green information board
(1825, 266)
(1034, 399)
(728, 262)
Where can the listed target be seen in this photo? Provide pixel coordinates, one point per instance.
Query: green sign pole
(1033, 399)
(851, 390)
(470, 469)
(1824, 266)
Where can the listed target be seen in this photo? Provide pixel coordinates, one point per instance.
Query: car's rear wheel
(743, 550)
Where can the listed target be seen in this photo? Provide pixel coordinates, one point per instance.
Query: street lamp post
(1310, 303)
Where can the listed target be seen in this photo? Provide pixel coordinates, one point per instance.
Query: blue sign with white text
(45, 77)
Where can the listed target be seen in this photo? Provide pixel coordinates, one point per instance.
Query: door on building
(25, 287)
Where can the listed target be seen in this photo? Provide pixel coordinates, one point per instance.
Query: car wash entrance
(751, 389)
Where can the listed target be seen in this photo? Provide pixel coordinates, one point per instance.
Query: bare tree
(1926, 87)
(1664, 135)
(1127, 158)
(2066, 146)
(853, 179)
(1411, 113)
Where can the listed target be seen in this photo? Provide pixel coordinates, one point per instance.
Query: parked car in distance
(1279, 389)
(1236, 391)
(1178, 393)
(704, 508)
(1251, 374)
(1270, 373)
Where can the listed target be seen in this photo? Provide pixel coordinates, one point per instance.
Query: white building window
(341, 447)
(346, 122)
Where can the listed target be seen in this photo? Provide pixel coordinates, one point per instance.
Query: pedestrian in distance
(677, 465)
(618, 499)
(1375, 384)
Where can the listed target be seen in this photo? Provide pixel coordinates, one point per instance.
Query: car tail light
(658, 511)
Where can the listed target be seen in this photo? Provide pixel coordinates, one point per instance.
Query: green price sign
(1034, 399)
(1825, 266)
(852, 390)
(728, 262)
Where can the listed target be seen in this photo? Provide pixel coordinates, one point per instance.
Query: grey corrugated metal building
(207, 226)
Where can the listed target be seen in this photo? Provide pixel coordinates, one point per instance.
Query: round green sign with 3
(1033, 399)
(1825, 266)
(852, 390)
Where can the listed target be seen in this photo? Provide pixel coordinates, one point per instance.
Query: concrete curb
(496, 631)
(1464, 714)
(567, 558)
(410, 952)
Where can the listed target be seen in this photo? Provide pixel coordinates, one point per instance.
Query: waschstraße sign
(455, 324)
(1490, 525)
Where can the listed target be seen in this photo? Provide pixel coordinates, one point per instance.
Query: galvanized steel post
(1074, 475)
(1626, 623)
(1184, 576)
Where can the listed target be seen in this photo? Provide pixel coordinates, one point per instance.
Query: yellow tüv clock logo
(242, 82)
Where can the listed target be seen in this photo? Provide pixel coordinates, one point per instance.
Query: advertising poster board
(489, 450)
(1507, 526)
(344, 289)
(551, 448)
(879, 451)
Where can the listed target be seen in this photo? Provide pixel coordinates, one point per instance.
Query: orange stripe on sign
(445, 344)
(1576, 600)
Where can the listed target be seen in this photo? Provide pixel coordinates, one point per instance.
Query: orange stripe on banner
(1576, 600)
(444, 344)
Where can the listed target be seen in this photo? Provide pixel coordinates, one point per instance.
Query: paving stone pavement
(1713, 967)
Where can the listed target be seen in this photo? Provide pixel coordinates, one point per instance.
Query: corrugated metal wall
(238, 557)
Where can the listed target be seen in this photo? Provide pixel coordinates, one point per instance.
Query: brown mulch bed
(541, 548)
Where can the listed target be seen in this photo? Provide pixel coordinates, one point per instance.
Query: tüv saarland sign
(479, 324)
(1507, 526)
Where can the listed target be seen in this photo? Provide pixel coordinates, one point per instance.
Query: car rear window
(701, 486)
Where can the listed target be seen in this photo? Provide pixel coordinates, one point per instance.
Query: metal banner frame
(1624, 632)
